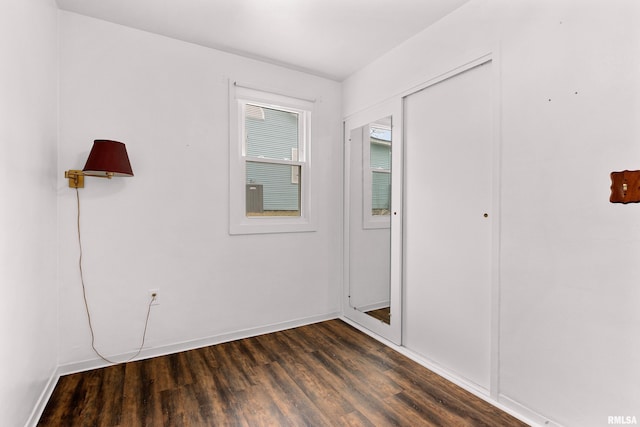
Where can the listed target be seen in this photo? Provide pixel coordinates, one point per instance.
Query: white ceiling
(330, 38)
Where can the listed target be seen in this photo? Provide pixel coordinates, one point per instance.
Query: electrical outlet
(154, 293)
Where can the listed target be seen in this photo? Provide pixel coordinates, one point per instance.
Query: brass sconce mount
(76, 177)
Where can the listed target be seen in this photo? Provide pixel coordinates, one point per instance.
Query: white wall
(167, 227)
(28, 136)
(569, 270)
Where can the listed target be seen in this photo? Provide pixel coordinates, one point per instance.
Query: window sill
(265, 225)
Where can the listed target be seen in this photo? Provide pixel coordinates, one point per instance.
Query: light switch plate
(625, 187)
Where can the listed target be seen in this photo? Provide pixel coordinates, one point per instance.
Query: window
(376, 156)
(270, 170)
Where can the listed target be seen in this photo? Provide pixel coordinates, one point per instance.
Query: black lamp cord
(86, 304)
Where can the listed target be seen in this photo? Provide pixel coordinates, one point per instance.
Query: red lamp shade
(108, 158)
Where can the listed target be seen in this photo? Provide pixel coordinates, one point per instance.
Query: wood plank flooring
(325, 374)
(382, 314)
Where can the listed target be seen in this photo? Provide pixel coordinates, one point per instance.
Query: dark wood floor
(382, 314)
(326, 374)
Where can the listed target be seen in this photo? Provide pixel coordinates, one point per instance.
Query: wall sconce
(106, 159)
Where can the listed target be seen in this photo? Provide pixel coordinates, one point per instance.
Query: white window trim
(370, 221)
(239, 222)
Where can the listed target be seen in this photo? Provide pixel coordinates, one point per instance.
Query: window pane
(380, 193)
(272, 189)
(380, 163)
(380, 156)
(271, 133)
(380, 147)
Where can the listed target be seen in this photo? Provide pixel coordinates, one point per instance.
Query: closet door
(448, 223)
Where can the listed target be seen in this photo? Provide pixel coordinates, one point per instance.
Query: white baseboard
(148, 353)
(505, 404)
(38, 409)
(537, 419)
(374, 306)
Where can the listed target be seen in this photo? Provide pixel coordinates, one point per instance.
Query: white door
(448, 223)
